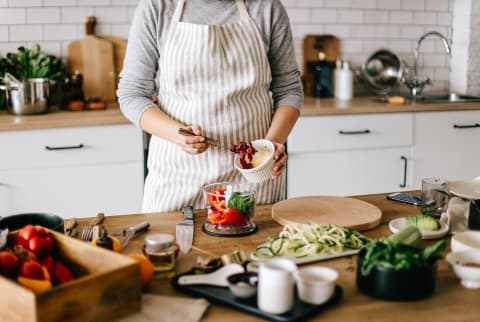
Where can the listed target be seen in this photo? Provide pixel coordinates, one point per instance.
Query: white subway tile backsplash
(60, 32)
(123, 3)
(109, 15)
(310, 3)
(388, 4)
(4, 33)
(43, 15)
(341, 31)
(300, 31)
(351, 46)
(324, 15)
(93, 3)
(401, 17)
(364, 31)
(437, 5)
(298, 15)
(11, 47)
(120, 30)
(350, 16)
(3, 3)
(400, 46)
(25, 3)
(411, 31)
(444, 18)
(13, 16)
(413, 4)
(75, 15)
(26, 32)
(376, 16)
(50, 47)
(364, 4)
(425, 18)
(59, 3)
(388, 32)
(338, 3)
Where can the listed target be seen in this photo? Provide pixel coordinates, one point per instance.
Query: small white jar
(343, 86)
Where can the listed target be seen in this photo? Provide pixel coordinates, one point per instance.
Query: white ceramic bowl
(466, 265)
(465, 241)
(262, 172)
(316, 284)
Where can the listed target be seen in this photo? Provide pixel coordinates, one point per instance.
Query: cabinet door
(348, 172)
(446, 144)
(73, 192)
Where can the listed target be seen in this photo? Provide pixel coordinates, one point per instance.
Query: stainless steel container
(26, 97)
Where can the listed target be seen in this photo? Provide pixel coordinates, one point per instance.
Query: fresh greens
(312, 239)
(245, 203)
(398, 252)
(32, 63)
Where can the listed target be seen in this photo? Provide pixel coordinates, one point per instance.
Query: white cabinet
(72, 172)
(447, 145)
(350, 155)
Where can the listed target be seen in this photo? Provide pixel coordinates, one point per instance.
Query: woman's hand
(280, 157)
(193, 144)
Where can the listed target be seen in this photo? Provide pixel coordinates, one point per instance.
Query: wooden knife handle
(90, 25)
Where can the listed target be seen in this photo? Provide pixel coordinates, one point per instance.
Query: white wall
(362, 25)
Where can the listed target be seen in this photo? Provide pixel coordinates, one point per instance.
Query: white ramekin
(264, 171)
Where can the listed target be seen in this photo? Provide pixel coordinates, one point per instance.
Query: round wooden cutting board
(347, 212)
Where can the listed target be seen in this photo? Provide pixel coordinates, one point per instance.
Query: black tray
(222, 295)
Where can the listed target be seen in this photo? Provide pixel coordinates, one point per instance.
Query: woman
(225, 69)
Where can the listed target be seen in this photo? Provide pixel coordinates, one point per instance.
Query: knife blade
(184, 230)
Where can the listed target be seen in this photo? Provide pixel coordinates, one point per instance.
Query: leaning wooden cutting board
(347, 212)
(93, 57)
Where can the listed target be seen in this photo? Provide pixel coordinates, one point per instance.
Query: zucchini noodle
(311, 239)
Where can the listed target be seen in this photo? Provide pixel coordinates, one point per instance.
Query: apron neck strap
(240, 5)
(178, 10)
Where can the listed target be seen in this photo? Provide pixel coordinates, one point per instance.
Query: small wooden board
(343, 211)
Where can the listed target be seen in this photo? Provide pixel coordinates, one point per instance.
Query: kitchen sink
(447, 98)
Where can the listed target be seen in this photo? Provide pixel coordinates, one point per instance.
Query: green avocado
(423, 222)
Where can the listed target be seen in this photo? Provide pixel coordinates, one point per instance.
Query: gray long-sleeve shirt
(151, 21)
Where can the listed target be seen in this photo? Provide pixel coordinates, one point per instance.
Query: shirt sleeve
(137, 78)
(286, 85)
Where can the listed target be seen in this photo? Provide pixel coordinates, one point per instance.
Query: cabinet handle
(367, 131)
(405, 160)
(67, 147)
(468, 126)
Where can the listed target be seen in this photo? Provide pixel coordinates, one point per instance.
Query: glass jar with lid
(160, 249)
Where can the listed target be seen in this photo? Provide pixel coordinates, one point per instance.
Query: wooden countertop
(62, 118)
(312, 107)
(368, 105)
(450, 302)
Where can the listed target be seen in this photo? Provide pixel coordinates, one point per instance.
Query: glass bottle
(159, 248)
(322, 80)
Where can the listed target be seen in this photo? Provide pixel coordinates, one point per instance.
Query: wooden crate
(108, 288)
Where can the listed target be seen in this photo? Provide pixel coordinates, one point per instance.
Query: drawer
(345, 132)
(70, 146)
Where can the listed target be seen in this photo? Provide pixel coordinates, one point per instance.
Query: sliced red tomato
(217, 199)
(215, 216)
(234, 217)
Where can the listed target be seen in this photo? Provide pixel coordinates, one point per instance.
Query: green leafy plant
(32, 63)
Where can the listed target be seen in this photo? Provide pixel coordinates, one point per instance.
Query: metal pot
(30, 96)
(382, 71)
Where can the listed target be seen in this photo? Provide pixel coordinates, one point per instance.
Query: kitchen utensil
(243, 285)
(18, 221)
(26, 97)
(93, 57)
(184, 230)
(210, 141)
(262, 162)
(343, 211)
(465, 240)
(216, 278)
(466, 265)
(87, 232)
(70, 228)
(316, 284)
(126, 234)
(382, 71)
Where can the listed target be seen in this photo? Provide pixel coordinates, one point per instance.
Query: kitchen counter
(450, 302)
(63, 118)
(312, 107)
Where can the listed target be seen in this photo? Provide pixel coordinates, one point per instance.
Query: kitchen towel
(456, 215)
(168, 309)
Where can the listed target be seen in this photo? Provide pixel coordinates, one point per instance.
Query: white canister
(343, 86)
(276, 283)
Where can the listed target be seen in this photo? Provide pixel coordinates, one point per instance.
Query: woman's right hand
(193, 144)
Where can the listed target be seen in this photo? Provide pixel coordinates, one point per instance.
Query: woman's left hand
(280, 157)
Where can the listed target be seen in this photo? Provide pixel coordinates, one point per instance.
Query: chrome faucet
(415, 85)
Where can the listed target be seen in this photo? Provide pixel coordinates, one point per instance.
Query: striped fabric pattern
(217, 77)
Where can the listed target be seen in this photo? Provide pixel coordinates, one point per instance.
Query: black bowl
(402, 285)
(15, 222)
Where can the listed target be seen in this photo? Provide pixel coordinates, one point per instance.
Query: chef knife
(184, 230)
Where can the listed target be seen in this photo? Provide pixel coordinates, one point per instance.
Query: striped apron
(217, 77)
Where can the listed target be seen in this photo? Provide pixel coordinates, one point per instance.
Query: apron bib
(217, 77)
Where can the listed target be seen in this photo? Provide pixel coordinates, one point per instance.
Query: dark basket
(16, 222)
(392, 285)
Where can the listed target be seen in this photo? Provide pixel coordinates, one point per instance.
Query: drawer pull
(468, 126)
(67, 147)
(367, 131)
(405, 160)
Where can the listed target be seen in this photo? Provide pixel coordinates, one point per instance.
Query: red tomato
(234, 217)
(28, 232)
(62, 273)
(32, 270)
(42, 232)
(8, 263)
(19, 240)
(49, 244)
(38, 246)
(214, 216)
(217, 199)
(48, 263)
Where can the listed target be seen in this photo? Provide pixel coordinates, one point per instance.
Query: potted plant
(28, 74)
